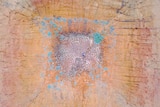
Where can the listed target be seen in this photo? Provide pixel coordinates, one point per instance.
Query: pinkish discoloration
(77, 53)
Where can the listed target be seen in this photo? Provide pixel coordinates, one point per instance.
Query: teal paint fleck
(111, 29)
(43, 23)
(45, 18)
(58, 67)
(61, 73)
(53, 86)
(69, 22)
(49, 57)
(96, 21)
(57, 77)
(61, 37)
(105, 68)
(63, 19)
(91, 75)
(49, 86)
(98, 76)
(97, 38)
(49, 34)
(56, 33)
(49, 54)
(60, 19)
(53, 24)
(104, 22)
(60, 28)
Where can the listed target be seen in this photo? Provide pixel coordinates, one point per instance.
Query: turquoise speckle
(98, 76)
(63, 19)
(45, 18)
(57, 77)
(105, 68)
(61, 73)
(53, 86)
(49, 86)
(62, 37)
(58, 67)
(60, 28)
(58, 18)
(43, 23)
(91, 75)
(56, 33)
(69, 22)
(111, 29)
(49, 54)
(98, 38)
(49, 34)
(104, 22)
(96, 21)
(53, 24)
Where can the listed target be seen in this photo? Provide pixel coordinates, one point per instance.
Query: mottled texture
(79, 53)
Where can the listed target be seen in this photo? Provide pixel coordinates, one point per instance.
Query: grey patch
(77, 53)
